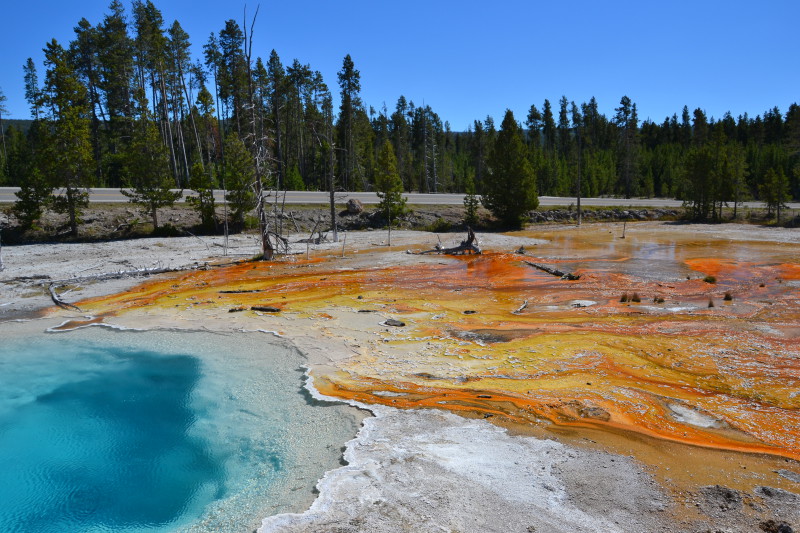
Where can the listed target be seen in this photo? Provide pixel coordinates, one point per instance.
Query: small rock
(771, 526)
(722, 497)
(393, 322)
(236, 309)
(469, 312)
(788, 474)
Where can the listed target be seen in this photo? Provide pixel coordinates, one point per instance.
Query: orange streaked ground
(490, 334)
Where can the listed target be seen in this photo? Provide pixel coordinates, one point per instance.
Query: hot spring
(158, 431)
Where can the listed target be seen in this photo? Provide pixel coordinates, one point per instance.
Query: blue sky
(470, 59)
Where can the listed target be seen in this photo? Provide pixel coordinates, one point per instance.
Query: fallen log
(242, 291)
(58, 301)
(129, 274)
(554, 271)
(467, 246)
(265, 309)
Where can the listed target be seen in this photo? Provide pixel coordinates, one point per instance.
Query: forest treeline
(124, 104)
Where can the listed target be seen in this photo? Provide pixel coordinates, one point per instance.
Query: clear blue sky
(470, 59)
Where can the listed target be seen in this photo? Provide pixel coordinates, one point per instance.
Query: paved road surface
(314, 197)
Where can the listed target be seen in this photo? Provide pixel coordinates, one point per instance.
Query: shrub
(710, 279)
(167, 230)
(624, 297)
(728, 297)
(440, 225)
(635, 298)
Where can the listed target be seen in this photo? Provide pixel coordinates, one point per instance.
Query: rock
(788, 474)
(771, 526)
(722, 497)
(779, 495)
(236, 309)
(354, 206)
(393, 322)
(469, 312)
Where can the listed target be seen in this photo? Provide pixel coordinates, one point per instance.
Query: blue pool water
(144, 431)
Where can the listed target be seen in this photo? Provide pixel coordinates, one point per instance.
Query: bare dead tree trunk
(259, 149)
(331, 181)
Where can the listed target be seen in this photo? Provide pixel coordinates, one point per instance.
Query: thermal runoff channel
(155, 431)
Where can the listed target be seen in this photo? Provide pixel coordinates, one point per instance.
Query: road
(315, 197)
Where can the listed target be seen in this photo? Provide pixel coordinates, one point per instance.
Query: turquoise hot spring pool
(158, 431)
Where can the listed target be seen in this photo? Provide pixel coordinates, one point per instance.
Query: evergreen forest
(124, 104)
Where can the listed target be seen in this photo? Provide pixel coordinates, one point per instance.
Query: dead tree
(554, 271)
(58, 301)
(258, 146)
(467, 246)
(331, 146)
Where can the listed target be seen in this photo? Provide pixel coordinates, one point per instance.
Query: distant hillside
(20, 124)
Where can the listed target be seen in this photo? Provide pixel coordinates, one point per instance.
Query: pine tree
(82, 55)
(116, 75)
(698, 195)
(202, 182)
(32, 91)
(471, 203)
(775, 192)
(479, 151)
(389, 185)
(68, 146)
(563, 129)
(232, 74)
(534, 123)
(400, 135)
(276, 90)
(627, 123)
(147, 167)
(350, 85)
(294, 181)
(510, 190)
(35, 191)
(239, 178)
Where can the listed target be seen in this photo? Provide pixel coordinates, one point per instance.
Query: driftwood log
(129, 274)
(52, 285)
(554, 271)
(58, 301)
(467, 246)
